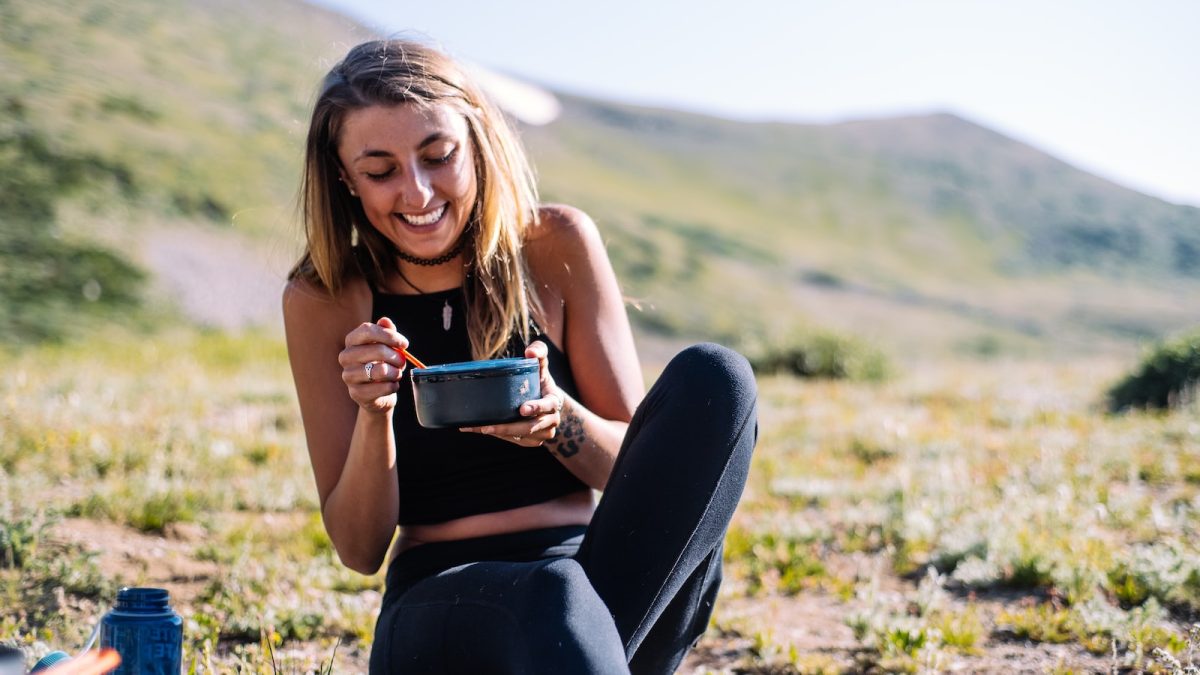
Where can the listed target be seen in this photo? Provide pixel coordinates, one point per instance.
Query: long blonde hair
(500, 299)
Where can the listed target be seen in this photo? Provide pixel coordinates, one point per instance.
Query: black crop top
(445, 473)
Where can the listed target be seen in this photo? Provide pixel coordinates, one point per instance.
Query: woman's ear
(346, 179)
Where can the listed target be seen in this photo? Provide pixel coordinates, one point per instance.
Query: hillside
(924, 233)
(908, 229)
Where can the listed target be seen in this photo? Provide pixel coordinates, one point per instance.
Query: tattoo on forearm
(570, 438)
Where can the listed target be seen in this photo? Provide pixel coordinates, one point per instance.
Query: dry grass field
(960, 516)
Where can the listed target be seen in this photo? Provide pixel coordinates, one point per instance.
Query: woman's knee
(712, 367)
(712, 386)
(562, 587)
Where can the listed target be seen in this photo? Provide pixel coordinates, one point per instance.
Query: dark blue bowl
(472, 393)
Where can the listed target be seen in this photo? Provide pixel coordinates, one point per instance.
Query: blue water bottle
(145, 631)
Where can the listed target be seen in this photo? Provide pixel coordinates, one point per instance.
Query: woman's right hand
(371, 366)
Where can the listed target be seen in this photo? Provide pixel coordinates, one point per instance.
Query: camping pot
(473, 393)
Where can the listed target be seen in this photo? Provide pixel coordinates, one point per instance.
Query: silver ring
(367, 367)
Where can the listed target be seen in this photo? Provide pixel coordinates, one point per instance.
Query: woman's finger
(529, 433)
(550, 403)
(371, 351)
(382, 371)
(383, 333)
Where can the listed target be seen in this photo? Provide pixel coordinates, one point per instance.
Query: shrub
(1167, 376)
(19, 538)
(820, 354)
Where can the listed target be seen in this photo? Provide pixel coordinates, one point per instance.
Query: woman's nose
(416, 191)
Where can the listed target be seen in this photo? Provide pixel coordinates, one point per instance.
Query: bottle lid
(49, 660)
(134, 597)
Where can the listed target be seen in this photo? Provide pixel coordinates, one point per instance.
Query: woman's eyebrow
(372, 153)
(433, 138)
(429, 140)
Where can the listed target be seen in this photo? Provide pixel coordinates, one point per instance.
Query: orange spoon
(411, 359)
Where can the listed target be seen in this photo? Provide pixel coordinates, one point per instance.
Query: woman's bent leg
(653, 548)
(499, 617)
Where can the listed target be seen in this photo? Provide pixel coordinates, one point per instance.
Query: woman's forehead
(400, 127)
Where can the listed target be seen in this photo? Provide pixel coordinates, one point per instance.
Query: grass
(947, 509)
(996, 479)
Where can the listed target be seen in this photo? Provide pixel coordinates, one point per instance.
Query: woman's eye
(379, 176)
(444, 159)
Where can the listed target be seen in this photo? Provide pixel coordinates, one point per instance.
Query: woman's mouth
(423, 219)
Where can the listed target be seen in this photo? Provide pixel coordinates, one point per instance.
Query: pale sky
(1111, 87)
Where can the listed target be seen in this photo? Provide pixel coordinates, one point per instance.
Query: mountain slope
(925, 232)
(914, 229)
(199, 105)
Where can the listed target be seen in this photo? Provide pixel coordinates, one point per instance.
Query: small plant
(821, 355)
(771, 561)
(1166, 378)
(1041, 623)
(19, 538)
(1172, 664)
(960, 630)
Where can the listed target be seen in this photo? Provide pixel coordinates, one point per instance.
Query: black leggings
(632, 591)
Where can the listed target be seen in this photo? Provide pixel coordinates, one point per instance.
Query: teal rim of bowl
(476, 369)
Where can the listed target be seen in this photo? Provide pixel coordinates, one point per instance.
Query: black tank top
(445, 473)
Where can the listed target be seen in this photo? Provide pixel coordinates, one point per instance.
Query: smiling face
(413, 169)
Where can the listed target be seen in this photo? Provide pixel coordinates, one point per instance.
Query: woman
(424, 230)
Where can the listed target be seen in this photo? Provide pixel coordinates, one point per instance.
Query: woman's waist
(570, 509)
(552, 530)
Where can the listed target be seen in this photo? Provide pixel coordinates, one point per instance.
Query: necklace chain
(432, 262)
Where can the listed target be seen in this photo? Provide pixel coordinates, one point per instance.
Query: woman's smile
(423, 220)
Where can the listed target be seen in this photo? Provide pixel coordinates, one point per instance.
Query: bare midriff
(572, 509)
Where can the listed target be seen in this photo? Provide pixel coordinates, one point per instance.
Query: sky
(1110, 87)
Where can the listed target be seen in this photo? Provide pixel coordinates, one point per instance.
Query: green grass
(1007, 478)
(967, 477)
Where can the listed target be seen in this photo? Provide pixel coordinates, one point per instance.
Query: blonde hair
(500, 300)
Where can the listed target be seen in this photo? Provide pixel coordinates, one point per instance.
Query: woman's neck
(409, 278)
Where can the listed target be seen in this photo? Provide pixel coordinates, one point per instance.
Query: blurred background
(937, 177)
(959, 240)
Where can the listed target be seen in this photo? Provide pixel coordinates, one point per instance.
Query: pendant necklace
(447, 310)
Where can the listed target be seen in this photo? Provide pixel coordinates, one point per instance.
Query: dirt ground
(813, 624)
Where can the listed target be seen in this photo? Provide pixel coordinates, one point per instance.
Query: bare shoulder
(564, 236)
(310, 309)
(563, 224)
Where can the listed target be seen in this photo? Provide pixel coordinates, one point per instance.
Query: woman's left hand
(541, 417)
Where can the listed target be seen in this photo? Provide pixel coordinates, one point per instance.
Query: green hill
(163, 138)
(925, 230)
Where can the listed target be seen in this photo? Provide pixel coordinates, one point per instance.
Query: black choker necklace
(431, 262)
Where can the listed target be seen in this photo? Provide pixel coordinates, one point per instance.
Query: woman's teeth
(427, 219)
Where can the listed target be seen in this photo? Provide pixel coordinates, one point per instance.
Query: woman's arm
(579, 292)
(350, 439)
